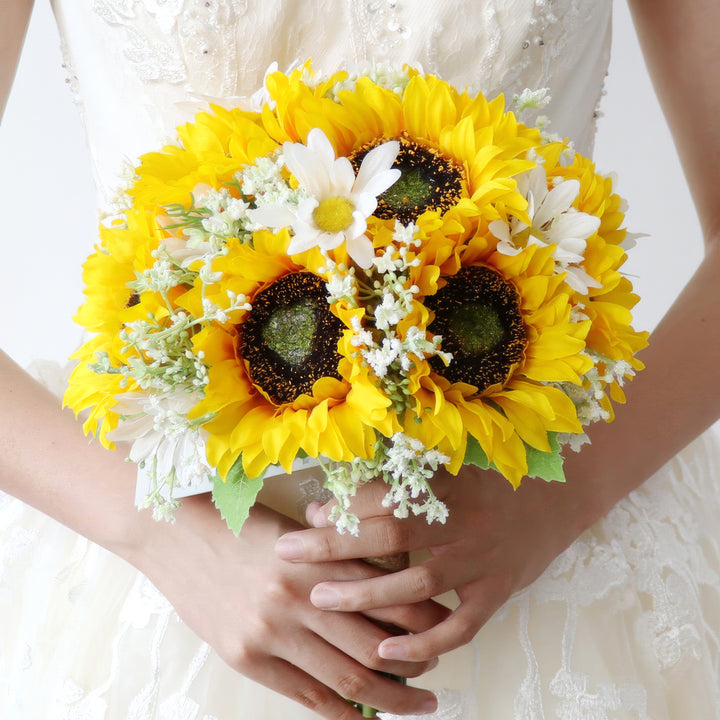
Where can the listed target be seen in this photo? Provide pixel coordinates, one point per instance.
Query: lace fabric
(622, 626)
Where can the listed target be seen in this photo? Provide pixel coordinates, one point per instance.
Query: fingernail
(310, 511)
(391, 650)
(289, 547)
(428, 706)
(318, 519)
(325, 598)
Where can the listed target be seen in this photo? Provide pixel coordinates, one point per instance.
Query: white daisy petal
(505, 247)
(318, 144)
(302, 242)
(361, 251)
(342, 176)
(309, 168)
(579, 280)
(574, 225)
(381, 182)
(500, 230)
(330, 241)
(358, 227)
(365, 204)
(557, 201)
(272, 216)
(378, 162)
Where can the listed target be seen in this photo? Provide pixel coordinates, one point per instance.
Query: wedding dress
(624, 625)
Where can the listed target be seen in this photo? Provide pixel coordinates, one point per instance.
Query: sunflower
(278, 381)
(211, 150)
(459, 154)
(507, 321)
(125, 250)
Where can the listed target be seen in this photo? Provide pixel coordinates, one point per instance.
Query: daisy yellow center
(334, 214)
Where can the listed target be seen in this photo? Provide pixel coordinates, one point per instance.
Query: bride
(595, 599)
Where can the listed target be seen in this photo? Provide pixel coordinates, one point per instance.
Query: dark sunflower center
(478, 317)
(429, 181)
(289, 338)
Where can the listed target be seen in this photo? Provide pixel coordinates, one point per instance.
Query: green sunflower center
(334, 214)
(477, 314)
(290, 330)
(429, 181)
(289, 339)
(477, 326)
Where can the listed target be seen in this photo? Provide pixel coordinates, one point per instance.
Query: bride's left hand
(495, 542)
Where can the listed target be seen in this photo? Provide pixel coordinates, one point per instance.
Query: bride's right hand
(254, 609)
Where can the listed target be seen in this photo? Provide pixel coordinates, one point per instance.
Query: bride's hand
(495, 542)
(254, 609)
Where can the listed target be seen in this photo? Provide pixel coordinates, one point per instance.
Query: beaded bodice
(141, 67)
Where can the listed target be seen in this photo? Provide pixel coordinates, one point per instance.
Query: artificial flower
(337, 203)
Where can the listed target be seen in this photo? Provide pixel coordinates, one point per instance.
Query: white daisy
(164, 442)
(337, 202)
(554, 221)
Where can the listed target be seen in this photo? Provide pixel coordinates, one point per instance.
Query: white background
(47, 199)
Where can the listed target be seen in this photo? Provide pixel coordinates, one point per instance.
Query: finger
(414, 618)
(367, 502)
(379, 536)
(360, 639)
(458, 630)
(292, 682)
(353, 681)
(419, 582)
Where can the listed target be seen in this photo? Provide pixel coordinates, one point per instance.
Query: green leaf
(475, 455)
(546, 465)
(234, 497)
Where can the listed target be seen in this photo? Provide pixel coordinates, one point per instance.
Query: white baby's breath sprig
(530, 100)
(343, 479)
(405, 465)
(390, 76)
(266, 183)
(588, 397)
(390, 298)
(342, 283)
(407, 469)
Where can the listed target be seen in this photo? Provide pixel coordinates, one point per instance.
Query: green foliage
(546, 465)
(475, 455)
(234, 497)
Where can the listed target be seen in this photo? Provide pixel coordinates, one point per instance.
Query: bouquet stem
(391, 563)
(371, 712)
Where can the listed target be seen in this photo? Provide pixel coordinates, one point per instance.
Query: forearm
(14, 17)
(46, 461)
(669, 403)
(677, 396)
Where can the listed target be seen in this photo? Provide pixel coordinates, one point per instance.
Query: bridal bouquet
(377, 274)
